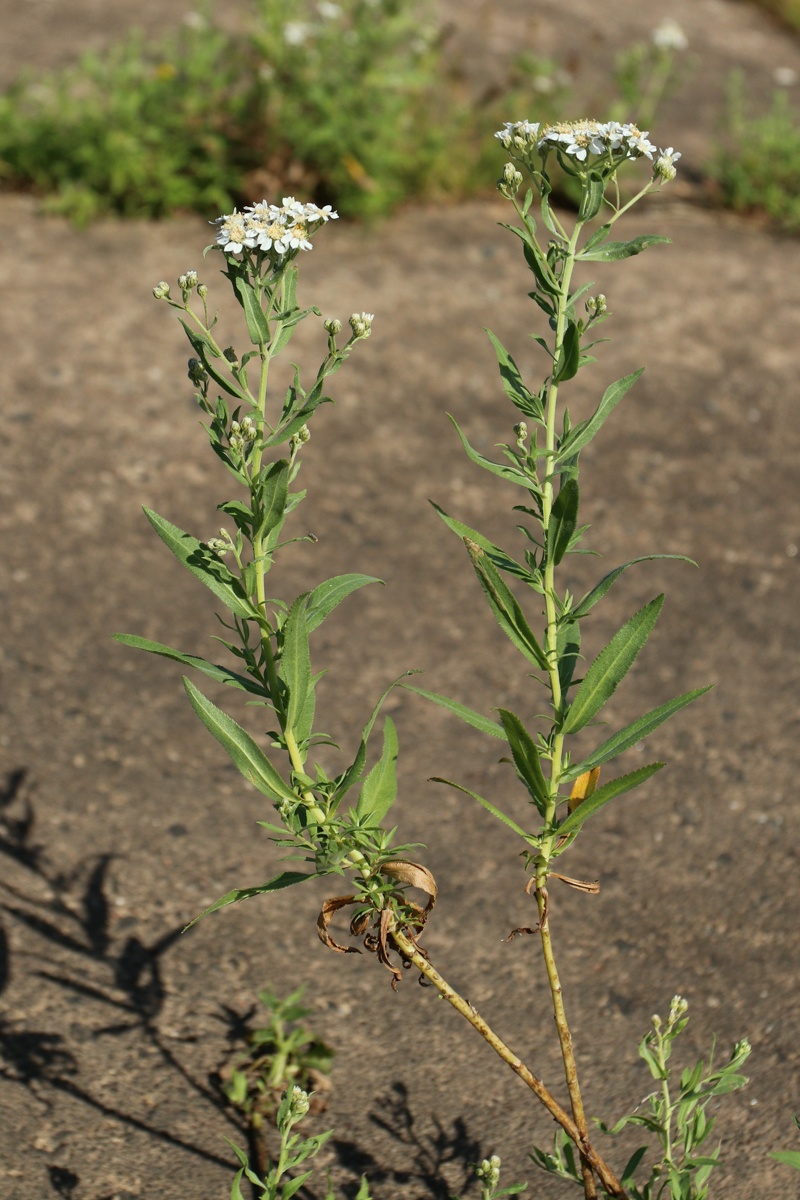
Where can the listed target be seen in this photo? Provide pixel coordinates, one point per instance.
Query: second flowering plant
(340, 825)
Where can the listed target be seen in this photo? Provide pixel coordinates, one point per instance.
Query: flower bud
(521, 433)
(197, 372)
(188, 281)
(664, 166)
(596, 306)
(202, 290)
(298, 1102)
(332, 326)
(511, 181)
(161, 291)
(361, 324)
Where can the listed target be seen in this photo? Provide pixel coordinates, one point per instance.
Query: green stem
(551, 651)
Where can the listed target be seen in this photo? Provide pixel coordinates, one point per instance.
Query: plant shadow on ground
(71, 913)
(73, 920)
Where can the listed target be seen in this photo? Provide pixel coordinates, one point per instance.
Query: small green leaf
(563, 519)
(513, 386)
(633, 733)
(512, 474)
(476, 719)
(354, 772)
(596, 239)
(616, 787)
(257, 324)
(613, 251)
(593, 190)
(204, 565)
(505, 606)
(295, 665)
(246, 755)
(569, 356)
(583, 433)
(611, 666)
(568, 650)
(526, 759)
(273, 488)
(600, 589)
(502, 560)
(326, 596)
(487, 804)
(276, 884)
(790, 1158)
(379, 790)
(221, 674)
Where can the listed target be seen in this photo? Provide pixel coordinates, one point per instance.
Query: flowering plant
(340, 825)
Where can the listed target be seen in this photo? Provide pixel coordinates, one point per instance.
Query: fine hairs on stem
(339, 825)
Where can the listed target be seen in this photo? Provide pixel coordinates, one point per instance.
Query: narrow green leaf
(790, 1158)
(609, 791)
(600, 589)
(611, 665)
(569, 357)
(326, 596)
(354, 772)
(513, 386)
(207, 353)
(596, 239)
(592, 198)
(221, 674)
(487, 804)
(209, 569)
(586, 430)
(291, 1186)
(274, 490)
(505, 606)
(633, 733)
(246, 755)
(526, 759)
(379, 790)
(568, 649)
(284, 880)
(295, 664)
(512, 474)
(502, 560)
(563, 519)
(476, 719)
(613, 251)
(254, 315)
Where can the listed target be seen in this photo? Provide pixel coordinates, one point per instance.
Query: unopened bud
(521, 433)
(188, 281)
(332, 326)
(511, 181)
(202, 290)
(298, 1102)
(596, 306)
(161, 291)
(230, 354)
(664, 166)
(197, 372)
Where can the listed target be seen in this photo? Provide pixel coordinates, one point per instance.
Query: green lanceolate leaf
(569, 357)
(209, 569)
(276, 884)
(356, 769)
(207, 352)
(326, 596)
(610, 666)
(273, 493)
(487, 804)
(505, 606)
(476, 719)
(790, 1158)
(568, 650)
(613, 251)
(563, 519)
(609, 791)
(592, 198)
(583, 433)
(513, 386)
(633, 733)
(600, 589)
(502, 560)
(295, 665)
(254, 315)
(221, 674)
(245, 754)
(512, 474)
(379, 790)
(596, 239)
(526, 759)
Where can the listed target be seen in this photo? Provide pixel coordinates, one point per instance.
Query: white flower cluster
(608, 140)
(277, 229)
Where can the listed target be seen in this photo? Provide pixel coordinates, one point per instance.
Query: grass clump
(758, 166)
(350, 102)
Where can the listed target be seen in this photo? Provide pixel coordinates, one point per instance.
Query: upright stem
(596, 1164)
(551, 650)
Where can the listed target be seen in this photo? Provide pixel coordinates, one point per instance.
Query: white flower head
(297, 33)
(669, 36)
(664, 166)
(271, 228)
